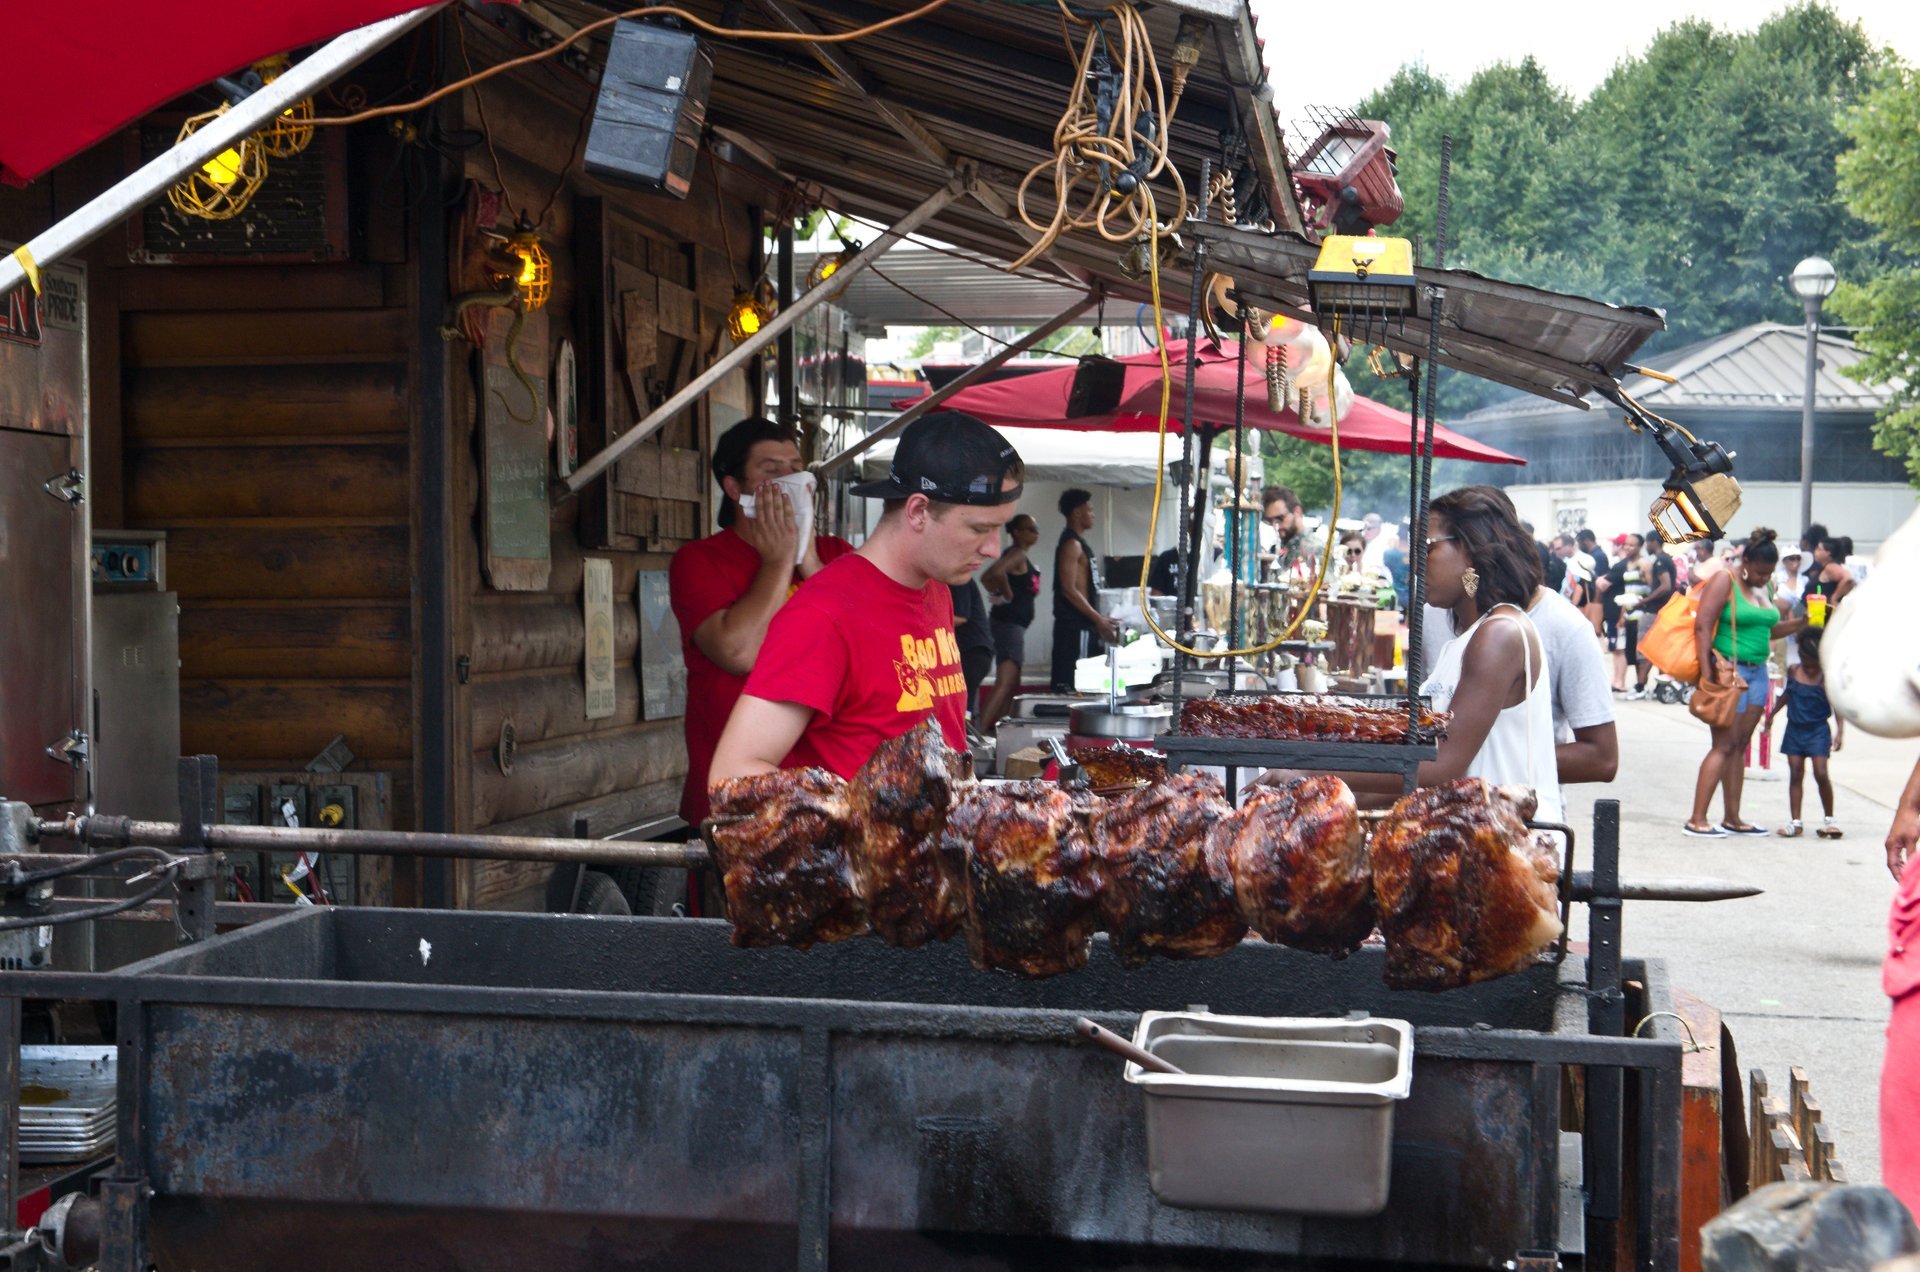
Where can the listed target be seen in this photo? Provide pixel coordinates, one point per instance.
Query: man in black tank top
(1079, 629)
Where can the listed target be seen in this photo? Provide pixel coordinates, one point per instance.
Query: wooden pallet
(1788, 1140)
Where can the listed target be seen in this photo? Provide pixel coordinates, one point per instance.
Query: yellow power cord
(1160, 473)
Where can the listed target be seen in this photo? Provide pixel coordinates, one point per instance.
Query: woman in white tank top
(1493, 676)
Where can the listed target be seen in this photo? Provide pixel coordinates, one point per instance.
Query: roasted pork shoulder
(1159, 896)
(1028, 877)
(1465, 891)
(1295, 864)
(899, 801)
(779, 841)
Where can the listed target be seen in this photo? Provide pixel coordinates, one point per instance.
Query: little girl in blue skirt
(1807, 736)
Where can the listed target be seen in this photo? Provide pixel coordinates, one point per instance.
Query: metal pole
(971, 377)
(1806, 413)
(117, 832)
(146, 183)
(750, 348)
(788, 384)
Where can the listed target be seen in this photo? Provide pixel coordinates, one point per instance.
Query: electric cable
(1160, 474)
(93, 912)
(167, 860)
(645, 11)
(1115, 131)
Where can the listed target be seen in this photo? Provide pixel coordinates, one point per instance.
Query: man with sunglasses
(1297, 553)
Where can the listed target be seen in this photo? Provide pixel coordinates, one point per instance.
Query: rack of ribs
(1306, 718)
(1028, 875)
(899, 802)
(1465, 891)
(779, 841)
(1159, 896)
(1295, 863)
(1116, 769)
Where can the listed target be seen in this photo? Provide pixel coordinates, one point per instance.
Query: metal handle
(1122, 1047)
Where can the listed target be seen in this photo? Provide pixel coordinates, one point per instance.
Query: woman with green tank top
(1736, 623)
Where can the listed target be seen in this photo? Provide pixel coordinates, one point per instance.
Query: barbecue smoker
(370, 1087)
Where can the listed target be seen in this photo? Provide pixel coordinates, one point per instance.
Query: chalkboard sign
(513, 423)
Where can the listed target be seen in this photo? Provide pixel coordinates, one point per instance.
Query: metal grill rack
(1234, 754)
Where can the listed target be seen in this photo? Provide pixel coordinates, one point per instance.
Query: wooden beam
(752, 345)
(977, 374)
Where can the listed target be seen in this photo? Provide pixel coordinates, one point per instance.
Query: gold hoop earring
(1470, 580)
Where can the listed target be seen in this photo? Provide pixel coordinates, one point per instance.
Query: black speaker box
(651, 109)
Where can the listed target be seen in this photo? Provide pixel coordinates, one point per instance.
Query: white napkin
(798, 489)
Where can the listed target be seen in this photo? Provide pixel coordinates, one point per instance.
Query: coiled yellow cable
(1160, 473)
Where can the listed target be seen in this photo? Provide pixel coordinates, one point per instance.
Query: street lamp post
(1812, 281)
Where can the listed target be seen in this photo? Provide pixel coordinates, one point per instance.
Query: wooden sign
(566, 394)
(663, 670)
(596, 599)
(513, 417)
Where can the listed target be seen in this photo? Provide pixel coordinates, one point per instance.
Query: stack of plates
(66, 1103)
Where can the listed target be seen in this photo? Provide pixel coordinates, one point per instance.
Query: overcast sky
(1336, 59)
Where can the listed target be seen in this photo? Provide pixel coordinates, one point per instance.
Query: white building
(1744, 390)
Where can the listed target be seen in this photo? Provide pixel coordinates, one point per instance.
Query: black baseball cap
(950, 457)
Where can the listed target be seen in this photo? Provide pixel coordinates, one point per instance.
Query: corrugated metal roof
(984, 84)
(1764, 365)
(912, 286)
(1551, 344)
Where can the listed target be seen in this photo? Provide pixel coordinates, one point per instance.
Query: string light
(291, 131)
(223, 186)
(535, 276)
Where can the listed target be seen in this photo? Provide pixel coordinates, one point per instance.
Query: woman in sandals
(1736, 623)
(1807, 736)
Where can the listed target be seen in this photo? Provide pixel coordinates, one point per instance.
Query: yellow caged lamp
(535, 275)
(223, 186)
(752, 310)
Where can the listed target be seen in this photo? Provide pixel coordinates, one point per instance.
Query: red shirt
(871, 656)
(706, 577)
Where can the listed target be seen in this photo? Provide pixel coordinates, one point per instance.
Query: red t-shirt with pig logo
(870, 656)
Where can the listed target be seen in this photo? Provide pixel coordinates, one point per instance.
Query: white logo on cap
(927, 483)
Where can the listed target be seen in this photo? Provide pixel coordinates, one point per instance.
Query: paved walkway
(1795, 972)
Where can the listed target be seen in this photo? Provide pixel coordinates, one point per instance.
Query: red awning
(82, 70)
(1040, 401)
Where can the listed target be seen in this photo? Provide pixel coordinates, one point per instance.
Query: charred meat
(1159, 896)
(1116, 769)
(1028, 874)
(899, 802)
(1306, 717)
(1465, 891)
(780, 843)
(1295, 863)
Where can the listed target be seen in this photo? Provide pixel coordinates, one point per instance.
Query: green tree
(927, 337)
(1691, 180)
(1880, 179)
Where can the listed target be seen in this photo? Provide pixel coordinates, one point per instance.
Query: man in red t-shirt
(726, 587)
(866, 650)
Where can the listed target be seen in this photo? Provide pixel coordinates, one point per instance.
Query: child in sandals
(1807, 736)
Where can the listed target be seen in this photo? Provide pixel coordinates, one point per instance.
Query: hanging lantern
(535, 276)
(829, 264)
(291, 131)
(751, 311)
(223, 186)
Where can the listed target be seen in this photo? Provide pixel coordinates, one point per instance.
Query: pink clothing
(1900, 1074)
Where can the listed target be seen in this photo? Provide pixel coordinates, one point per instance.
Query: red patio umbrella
(1040, 400)
(84, 69)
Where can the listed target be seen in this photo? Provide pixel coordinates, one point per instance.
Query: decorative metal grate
(294, 217)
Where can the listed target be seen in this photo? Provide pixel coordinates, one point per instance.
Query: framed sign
(663, 671)
(597, 601)
(566, 412)
(513, 414)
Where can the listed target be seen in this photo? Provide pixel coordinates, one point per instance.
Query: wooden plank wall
(265, 417)
(525, 649)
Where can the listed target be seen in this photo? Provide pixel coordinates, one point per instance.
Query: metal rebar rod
(103, 832)
(751, 347)
(1236, 477)
(1437, 299)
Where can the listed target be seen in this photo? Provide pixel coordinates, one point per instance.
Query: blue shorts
(1755, 674)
